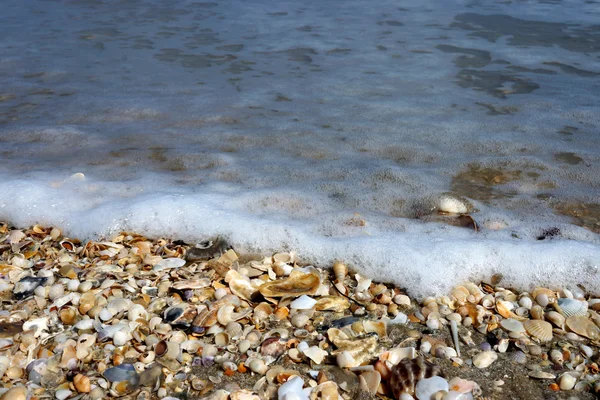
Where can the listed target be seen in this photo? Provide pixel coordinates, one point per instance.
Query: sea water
(331, 128)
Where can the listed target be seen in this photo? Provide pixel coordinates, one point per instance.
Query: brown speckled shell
(407, 373)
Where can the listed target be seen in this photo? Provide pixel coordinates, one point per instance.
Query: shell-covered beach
(131, 317)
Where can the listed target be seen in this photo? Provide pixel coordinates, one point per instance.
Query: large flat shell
(583, 327)
(539, 329)
(295, 285)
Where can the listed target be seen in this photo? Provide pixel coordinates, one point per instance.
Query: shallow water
(324, 127)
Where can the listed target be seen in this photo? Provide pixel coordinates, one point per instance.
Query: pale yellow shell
(539, 329)
(583, 327)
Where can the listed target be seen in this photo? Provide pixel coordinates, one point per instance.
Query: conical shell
(295, 285)
(340, 270)
(571, 307)
(583, 327)
(539, 329)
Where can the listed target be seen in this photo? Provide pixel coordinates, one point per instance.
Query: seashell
(27, 285)
(295, 285)
(571, 307)
(234, 329)
(522, 312)
(332, 303)
(526, 302)
(221, 339)
(369, 381)
(226, 315)
(539, 329)
(505, 308)
(82, 383)
(485, 359)
(452, 205)
(15, 393)
(166, 349)
(378, 327)
(300, 320)
(68, 316)
(567, 381)
(512, 325)
(257, 365)
(556, 356)
(242, 288)
(518, 357)
(303, 303)
(583, 327)
(537, 374)
(340, 271)
(537, 312)
(408, 372)
(428, 387)
(120, 373)
(555, 318)
(272, 347)
(316, 354)
(262, 312)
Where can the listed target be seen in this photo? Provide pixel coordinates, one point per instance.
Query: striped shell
(407, 373)
(539, 329)
(571, 307)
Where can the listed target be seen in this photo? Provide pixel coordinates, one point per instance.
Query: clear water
(326, 127)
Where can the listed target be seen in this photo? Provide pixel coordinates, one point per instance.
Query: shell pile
(162, 318)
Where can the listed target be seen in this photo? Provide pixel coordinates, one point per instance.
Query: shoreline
(160, 318)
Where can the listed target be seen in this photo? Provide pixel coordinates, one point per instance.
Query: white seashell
(485, 359)
(73, 285)
(526, 302)
(257, 365)
(85, 324)
(402, 300)
(452, 205)
(398, 354)
(105, 314)
(512, 325)
(292, 389)
(567, 381)
(427, 388)
(315, 353)
(345, 360)
(137, 311)
(121, 338)
(62, 394)
(587, 351)
(300, 320)
(169, 263)
(56, 291)
(303, 303)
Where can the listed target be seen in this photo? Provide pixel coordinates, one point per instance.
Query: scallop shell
(539, 329)
(295, 285)
(518, 357)
(583, 327)
(408, 372)
(571, 307)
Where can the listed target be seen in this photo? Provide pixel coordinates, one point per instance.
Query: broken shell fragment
(295, 285)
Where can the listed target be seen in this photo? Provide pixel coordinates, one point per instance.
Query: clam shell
(583, 327)
(295, 285)
(571, 307)
(539, 329)
(555, 318)
(512, 325)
